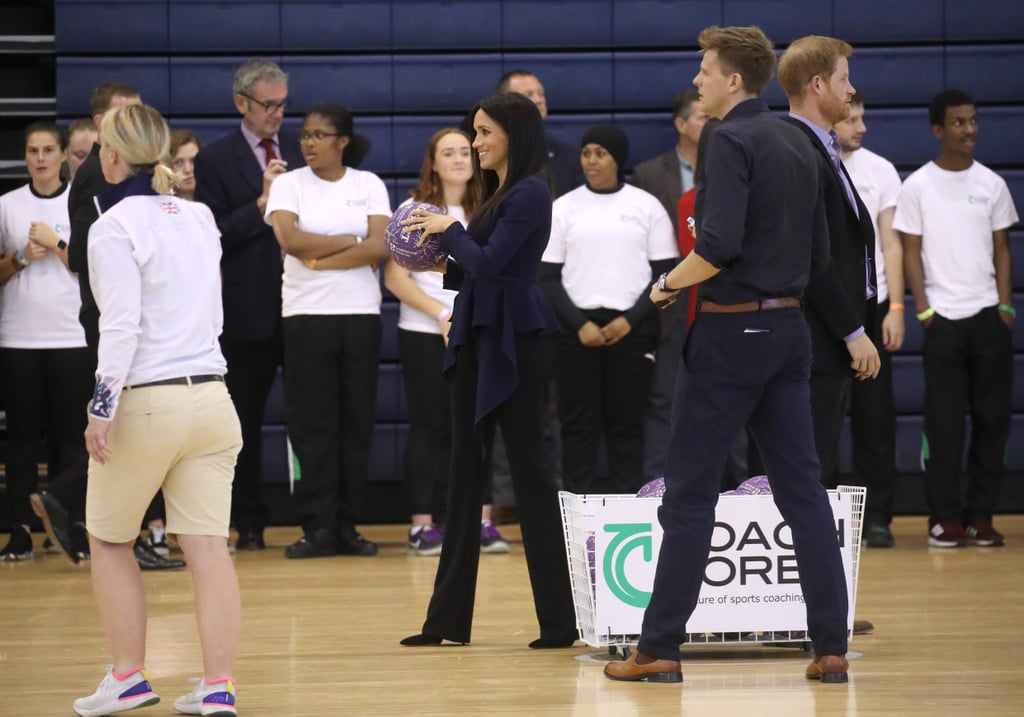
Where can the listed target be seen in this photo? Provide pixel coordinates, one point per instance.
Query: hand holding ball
(407, 245)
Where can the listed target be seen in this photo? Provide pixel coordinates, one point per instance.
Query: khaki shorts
(184, 439)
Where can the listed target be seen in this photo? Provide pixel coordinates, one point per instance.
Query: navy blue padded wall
(203, 85)
(893, 21)
(672, 23)
(782, 20)
(225, 25)
(78, 76)
(990, 73)
(643, 77)
(880, 74)
(581, 81)
(445, 25)
(410, 138)
(107, 26)
(984, 20)
(335, 25)
(362, 83)
(443, 83)
(556, 23)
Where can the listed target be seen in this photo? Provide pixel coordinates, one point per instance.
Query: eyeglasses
(269, 107)
(316, 136)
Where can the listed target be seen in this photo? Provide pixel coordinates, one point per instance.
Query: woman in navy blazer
(498, 358)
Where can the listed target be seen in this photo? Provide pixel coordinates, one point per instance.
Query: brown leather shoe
(828, 668)
(863, 627)
(656, 671)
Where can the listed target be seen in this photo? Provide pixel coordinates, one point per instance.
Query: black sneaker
(80, 542)
(148, 560)
(877, 535)
(19, 547)
(320, 543)
(55, 521)
(355, 544)
(250, 540)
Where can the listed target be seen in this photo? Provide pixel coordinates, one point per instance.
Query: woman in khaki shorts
(161, 416)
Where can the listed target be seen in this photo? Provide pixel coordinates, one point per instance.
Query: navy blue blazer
(499, 296)
(834, 300)
(229, 181)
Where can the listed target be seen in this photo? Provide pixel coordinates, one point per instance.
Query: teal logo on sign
(627, 537)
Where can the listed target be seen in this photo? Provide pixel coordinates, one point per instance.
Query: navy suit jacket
(834, 299)
(229, 181)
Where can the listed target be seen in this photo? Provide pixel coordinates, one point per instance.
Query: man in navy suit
(233, 178)
(840, 302)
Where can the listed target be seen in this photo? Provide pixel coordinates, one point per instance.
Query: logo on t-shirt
(355, 203)
(976, 199)
(630, 219)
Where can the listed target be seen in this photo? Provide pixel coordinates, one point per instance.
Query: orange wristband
(311, 264)
(900, 307)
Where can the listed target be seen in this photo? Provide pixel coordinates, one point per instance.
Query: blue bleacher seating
(880, 74)
(874, 21)
(555, 23)
(782, 20)
(990, 73)
(984, 20)
(445, 25)
(389, 331)
(667, 23)
(361, 83)
(77, 77)
(643, 77)
(335, 25)
(390, 395)
(111, 26)
(410, 138)
(582, 81)
(204, 85)
(252, 26)
(443, 83)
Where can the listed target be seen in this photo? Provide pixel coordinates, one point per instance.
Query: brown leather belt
(180, 381)
(785, 302)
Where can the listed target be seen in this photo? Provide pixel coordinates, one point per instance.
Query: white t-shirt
(606, 243)
(432, 284)
(330, 208)
(955, 214)
(40, 303)
(878, 185)
(154, 268)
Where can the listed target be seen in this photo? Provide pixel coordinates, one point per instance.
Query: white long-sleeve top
(154, 267)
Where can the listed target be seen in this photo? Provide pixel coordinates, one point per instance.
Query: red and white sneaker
(984, 535)
(947, 534)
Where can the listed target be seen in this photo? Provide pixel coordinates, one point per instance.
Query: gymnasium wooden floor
(321, 638)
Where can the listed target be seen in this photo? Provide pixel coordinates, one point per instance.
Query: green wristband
(926, 314)
(1008, 309)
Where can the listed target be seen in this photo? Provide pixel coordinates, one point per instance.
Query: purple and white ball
(404, 246)
(652, 489)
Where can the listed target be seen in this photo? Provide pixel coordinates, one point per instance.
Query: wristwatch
(61, 244)
(663, 286)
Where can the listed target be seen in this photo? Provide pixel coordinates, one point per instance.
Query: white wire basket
(579, 526)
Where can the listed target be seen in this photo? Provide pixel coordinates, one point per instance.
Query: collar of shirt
(746, 108)
(137, 185)
(829, 140)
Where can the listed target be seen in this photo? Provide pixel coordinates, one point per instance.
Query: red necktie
(268, 148)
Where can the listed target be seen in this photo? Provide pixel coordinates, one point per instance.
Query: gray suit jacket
(660, 176)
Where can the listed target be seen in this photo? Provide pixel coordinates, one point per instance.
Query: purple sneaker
(425, 540)
(491, 540)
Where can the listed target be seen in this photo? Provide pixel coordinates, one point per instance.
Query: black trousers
(330, 369)
(735, 377)
(47, 394)
(252, 366)
(873, 424)
(428, 396)
(830, 402)
(450, 614)
(968, 369)
(603, 393)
